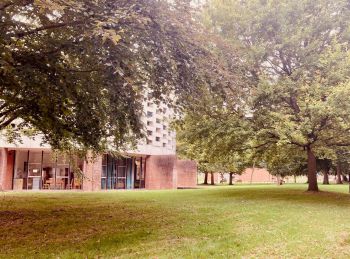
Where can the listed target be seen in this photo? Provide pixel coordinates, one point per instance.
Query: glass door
(34, 170)
(111, 173)
(63, 175)
(139, 174)
(121, 173)
(48, 171)
(104, 172)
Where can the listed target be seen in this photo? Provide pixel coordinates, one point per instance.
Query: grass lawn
(240, 221)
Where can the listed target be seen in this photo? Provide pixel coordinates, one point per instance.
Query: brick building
(256, 175)
(153, 165)
(250, 175)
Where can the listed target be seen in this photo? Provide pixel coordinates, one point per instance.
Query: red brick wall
(256, 175)
(160, 172)
(6, 169)
(9, 171)
(92, 174)
(3, 165)
(186, 173)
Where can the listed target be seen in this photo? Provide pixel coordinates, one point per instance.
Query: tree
(205, 135)
(77, 71)
(324, 165)
(284, 161)
(341, 164)
(298, 56)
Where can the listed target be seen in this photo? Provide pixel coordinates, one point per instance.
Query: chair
(49, 183)
(59, 184)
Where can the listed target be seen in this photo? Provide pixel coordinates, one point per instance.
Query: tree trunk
(206, 178)
(325, 177)
(311, 171)
(295, 179)
(339, 181)
(345, 179)
(278, 179)
(231, 179)
(212, 179)
(251, 176)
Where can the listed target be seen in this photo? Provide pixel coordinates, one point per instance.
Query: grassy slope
(251, 221)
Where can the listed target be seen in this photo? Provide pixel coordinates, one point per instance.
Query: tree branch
(11, 3)
(5, 123)
(47, 27)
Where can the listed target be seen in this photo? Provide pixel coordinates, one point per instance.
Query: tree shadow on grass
(71, 230)
(283, 194)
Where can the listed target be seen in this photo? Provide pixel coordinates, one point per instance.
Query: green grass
(264, 221)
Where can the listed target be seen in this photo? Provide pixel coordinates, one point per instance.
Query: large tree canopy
(296, 55)
(76, 71)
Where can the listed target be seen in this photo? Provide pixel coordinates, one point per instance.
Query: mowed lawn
(264, 221)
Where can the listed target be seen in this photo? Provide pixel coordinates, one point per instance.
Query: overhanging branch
(46, 27)
(3, 6)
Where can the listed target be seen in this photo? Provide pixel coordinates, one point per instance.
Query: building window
(164, 135)
(158, 130)
(149, 104)
(149, 142)
(164, 127)
(149, 123)
(115, 172)
(44, 170)
(149, 114)
(149, 132)
(159, 111)
(164, 144)
(158, 139)
(157, 120)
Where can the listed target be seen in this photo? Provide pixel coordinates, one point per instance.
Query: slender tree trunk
(231, 179)
(339, 181)
(278, 179)
(295, 179)
(205, 177)
(325, 177)
(311, 171)
(212, 179)
(251, 176)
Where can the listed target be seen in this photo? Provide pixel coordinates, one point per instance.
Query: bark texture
(206, 178)
(339, 180)
(212, 178)
(311, 171)
(325, 177)
(231, 179)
